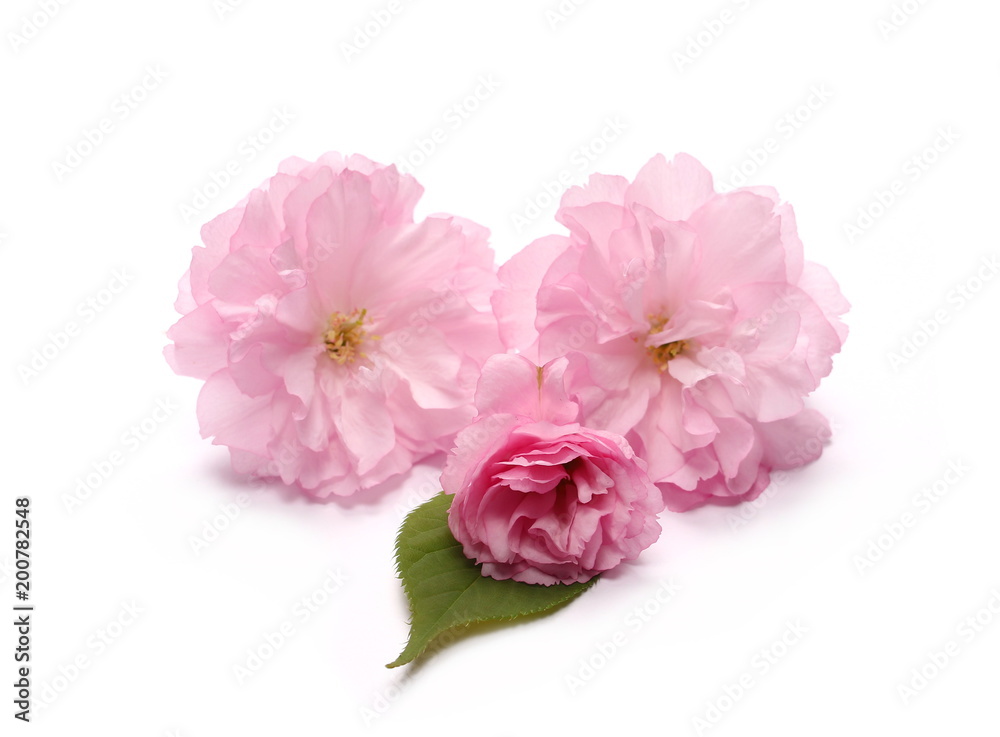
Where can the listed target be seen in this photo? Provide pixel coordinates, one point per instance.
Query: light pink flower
(703, 327)
(339, 341)
(540, 498)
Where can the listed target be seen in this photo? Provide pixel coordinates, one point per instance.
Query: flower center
(661, 354)
(344, 335)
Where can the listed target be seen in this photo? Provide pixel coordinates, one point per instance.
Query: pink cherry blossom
(339, 341)
(704, 328)
(540, 498)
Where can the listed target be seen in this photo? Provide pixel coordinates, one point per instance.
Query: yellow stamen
(344, 335)
(662, 354)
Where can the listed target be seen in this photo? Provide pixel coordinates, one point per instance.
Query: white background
(865, 98)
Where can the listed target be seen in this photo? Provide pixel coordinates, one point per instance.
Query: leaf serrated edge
(433, 639)
(468, 622)
(399, 540)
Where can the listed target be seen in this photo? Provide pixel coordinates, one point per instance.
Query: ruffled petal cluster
(703, 328)
(339, 340)
(540, 498)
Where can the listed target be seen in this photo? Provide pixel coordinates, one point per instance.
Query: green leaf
(447, 590)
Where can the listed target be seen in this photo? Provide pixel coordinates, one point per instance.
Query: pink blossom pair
(659, 353)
